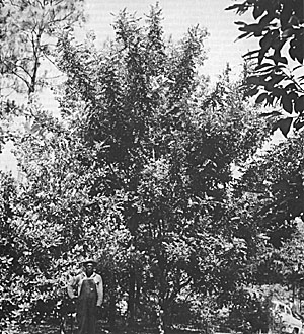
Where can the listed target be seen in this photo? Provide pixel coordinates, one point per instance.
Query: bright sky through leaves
(178, 16)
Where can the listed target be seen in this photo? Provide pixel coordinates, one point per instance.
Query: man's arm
(70, 287)
(99, 287)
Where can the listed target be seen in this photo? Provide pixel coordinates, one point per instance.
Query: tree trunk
(167, 314)
(132, 304)
(160, 319)
(112, 304)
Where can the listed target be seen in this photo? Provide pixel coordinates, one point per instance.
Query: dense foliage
(139, 173)
(278, 77)
(276, 180)
(144, 116)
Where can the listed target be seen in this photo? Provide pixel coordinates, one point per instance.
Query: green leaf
(299, 104)
(284, 125)
(299, 123)
(240, 23)
(287, 102)
(242, 36)
(261, 97)
(296, 53)
(254, 80)
(236, 6)
(272, 113)
(265, 44)
(263, 66)
(252, 92)
(258, 11)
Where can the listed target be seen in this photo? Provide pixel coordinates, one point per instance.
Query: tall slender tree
(29, 32)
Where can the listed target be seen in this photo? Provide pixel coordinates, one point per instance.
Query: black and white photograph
(151, 167)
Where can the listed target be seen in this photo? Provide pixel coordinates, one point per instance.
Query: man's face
(89, 268)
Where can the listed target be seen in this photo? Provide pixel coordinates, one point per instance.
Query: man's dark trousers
(86, 308)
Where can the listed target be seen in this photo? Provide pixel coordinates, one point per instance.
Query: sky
(179, 15)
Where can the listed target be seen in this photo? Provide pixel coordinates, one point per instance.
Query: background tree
(29, 32)
(11, 246)
(272, 189)
(58, 217)
(277, 179)
(278, 76)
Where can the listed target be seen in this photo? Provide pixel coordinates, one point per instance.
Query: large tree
(141, 110)
(138, 173)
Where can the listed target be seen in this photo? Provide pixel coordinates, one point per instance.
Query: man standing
(89, 295)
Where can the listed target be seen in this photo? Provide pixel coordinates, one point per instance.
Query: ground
(101, 329)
